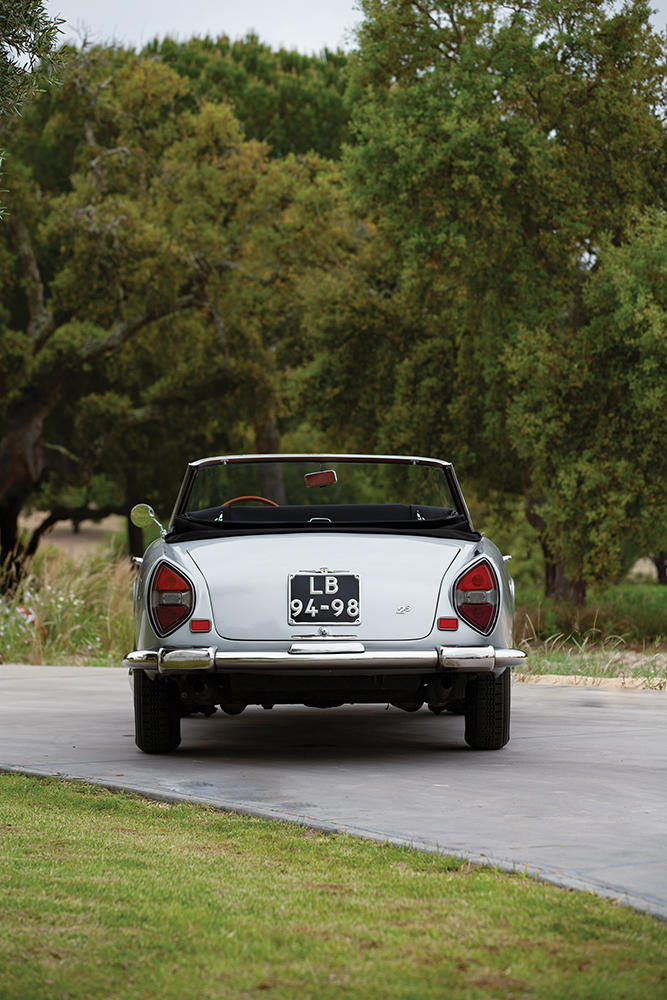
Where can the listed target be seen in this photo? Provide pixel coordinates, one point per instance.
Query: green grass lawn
(108, 895)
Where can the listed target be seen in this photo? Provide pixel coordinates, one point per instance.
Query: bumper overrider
(336, 657)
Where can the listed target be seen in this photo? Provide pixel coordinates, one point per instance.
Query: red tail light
(172, 599)
(476, 596)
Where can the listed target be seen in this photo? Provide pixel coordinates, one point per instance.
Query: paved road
(578, 797)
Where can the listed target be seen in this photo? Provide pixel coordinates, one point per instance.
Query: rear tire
(157, 714)
(487, 711)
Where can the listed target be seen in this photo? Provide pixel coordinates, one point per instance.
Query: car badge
(403, 609)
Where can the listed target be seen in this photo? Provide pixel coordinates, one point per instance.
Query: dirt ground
(77, 544)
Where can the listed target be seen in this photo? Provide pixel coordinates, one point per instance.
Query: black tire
(487, 711)
(157, 714)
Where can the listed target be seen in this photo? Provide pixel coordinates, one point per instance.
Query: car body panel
(247, 580)
(186, 555)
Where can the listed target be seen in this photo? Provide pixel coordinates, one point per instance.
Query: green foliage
(585, 408)
(291, 101)
(183, 273)
(632, 612)
(508, 154)
(502, 517)
(27, 40)
(153, 276)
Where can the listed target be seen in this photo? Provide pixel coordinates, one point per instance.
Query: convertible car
(321, 580)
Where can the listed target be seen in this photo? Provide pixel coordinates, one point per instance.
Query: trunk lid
(249, 582)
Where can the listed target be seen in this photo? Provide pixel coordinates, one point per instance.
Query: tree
(150, 272)
(595, 401)
(501, 146)
(27, 41)
(293, 102)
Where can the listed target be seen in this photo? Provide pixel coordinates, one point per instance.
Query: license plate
(324, 598)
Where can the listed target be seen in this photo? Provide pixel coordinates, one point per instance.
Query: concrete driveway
(578, 797)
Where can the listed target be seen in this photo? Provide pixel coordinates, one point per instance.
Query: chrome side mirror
(141, 516)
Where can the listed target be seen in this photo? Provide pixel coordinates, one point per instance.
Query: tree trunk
(660, 560)
(271, 475)
(135, 537)
(557, 583)
(21, 454)
(11, 560)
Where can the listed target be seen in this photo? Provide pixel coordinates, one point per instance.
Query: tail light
(172, 599)
(476, 596)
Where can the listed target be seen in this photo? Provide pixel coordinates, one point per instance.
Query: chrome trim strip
(328, 456)
(300, 648)
(186, 659)
(327, 656)
(480, 658)
(144, 658)
(376, 661)
(467, 657)
(509, 657)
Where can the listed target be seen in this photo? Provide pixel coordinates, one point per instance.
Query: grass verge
(565, 655)
(68, 611)
(108, 895)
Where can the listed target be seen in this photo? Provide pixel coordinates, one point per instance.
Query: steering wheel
(271, 503)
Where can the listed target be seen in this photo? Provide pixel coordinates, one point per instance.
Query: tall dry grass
(69, 612)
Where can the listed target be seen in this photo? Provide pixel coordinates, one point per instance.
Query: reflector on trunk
(448, 624)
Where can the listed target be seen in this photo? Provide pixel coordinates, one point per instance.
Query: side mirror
(142, 514)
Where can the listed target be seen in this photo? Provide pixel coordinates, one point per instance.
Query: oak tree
(503, 146)
(150, 273)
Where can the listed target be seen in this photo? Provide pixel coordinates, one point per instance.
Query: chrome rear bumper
(326, 657)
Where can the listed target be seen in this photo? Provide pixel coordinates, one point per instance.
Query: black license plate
(324, 599)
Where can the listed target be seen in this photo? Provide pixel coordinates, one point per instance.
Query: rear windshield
(238, 490)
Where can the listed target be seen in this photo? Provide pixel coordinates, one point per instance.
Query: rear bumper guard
(338, 657)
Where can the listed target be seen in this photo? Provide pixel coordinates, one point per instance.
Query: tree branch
(41, 324)
(219, 326)
(55, 458)
(96, 163)
(125, 329)
(75, 514)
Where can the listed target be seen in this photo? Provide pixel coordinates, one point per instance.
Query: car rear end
(407, 606)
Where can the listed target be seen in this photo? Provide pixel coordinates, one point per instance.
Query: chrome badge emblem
(403, 609)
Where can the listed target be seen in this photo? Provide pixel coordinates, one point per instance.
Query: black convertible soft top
(412, 519)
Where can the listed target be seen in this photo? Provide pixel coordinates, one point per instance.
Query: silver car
(321, 580)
